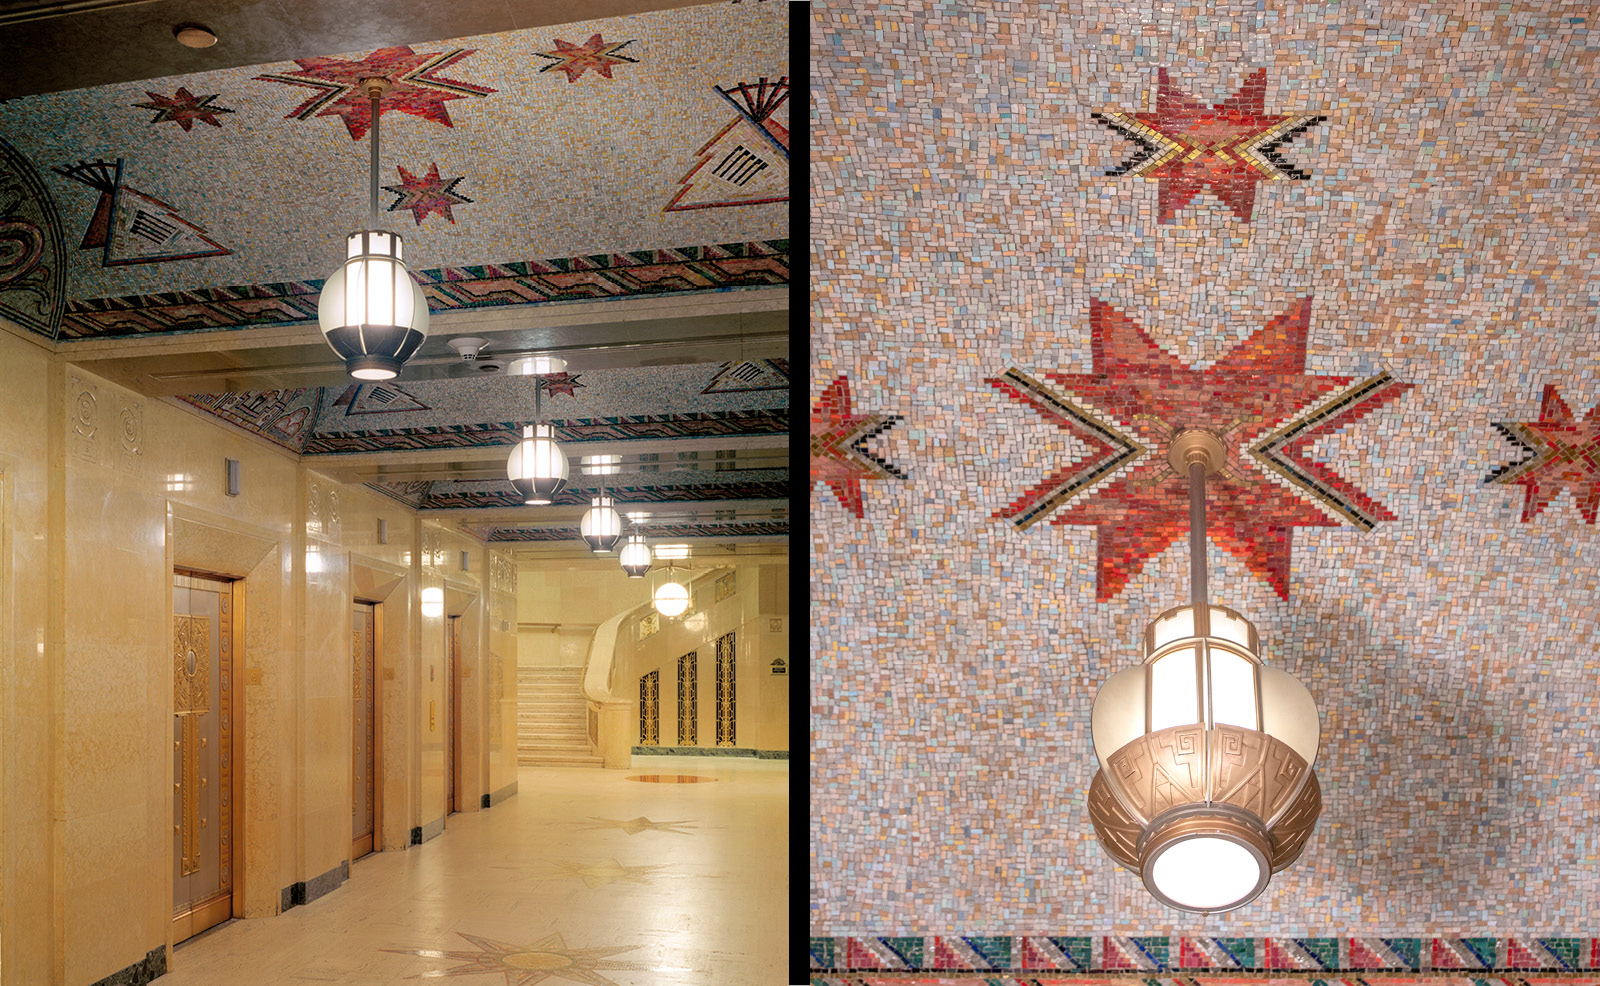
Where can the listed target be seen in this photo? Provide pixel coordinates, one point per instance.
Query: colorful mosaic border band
(718, 267)
(1120, 954)
(1295, 979)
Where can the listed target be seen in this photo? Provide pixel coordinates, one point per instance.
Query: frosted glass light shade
(635, 556)
(601, 525)
(1206, 873)
(371, 311)
(671, 598)
(537, 466)
(433, 603)
(529, 366)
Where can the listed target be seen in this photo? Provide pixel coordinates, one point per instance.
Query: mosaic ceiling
(1359, 241)
(546, 153)
(634, 161)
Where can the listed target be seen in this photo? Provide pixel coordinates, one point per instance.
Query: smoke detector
(468, 346)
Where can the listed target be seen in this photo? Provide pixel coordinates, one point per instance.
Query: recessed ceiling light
(194, 36)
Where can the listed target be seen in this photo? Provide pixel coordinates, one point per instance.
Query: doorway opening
(366, 648)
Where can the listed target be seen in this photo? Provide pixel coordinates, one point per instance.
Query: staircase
(552, 719)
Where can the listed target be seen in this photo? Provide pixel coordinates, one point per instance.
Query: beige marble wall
(102, 492)
(29, 943)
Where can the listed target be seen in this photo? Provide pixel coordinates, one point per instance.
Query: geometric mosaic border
(715, 267)
(1264, 979)
(1139, 954)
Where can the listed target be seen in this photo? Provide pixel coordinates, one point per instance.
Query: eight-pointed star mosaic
(426, 194)
(1228, 147)
(418, 87)
(1564, 454)
(1258, 398)
(839, 455)
(596, 53)
(633, 826)
(525, 965)
(183, 108)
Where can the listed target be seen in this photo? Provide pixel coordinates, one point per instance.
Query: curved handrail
(597, 673)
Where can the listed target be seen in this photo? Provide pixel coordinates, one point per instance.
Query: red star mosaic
(1228, 147)
(839, 455)
(1258, 399)
(560, 383)
(183, 108)
(419, 89)
(596, 53)
(1563, 454)
(426, 195)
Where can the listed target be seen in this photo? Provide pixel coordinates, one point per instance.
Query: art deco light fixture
(537, 466)
(371, 310)
(671, 595)
(433, 602)
(635, 555)
(601, 525)
(1205, 787)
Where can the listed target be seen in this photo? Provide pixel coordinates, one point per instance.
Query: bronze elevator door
(203, 766)
(363, 658)
(452, 707)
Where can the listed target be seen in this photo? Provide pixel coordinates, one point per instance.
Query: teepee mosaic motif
(747, 162)
(1228, 147)
(133, 227)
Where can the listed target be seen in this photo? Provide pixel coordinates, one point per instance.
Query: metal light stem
(1197, 549)
(372, 198)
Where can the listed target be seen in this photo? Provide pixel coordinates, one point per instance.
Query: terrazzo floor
(583, 877)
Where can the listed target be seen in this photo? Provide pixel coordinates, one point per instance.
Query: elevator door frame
(375, 738)
(213, 912)
(452, 707)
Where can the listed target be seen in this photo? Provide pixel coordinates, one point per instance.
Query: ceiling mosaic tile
(569, 141)
(32, 258)
(1186, 146)
(1562, 454)
(839, 454)
(1159, 956)
(1257, 397)
(1412, 265)
(720, 267)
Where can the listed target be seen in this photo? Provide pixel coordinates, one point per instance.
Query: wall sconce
(433, 602)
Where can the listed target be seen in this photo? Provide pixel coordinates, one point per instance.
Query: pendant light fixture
(537, 466)
(371, 310)
(601, 525)
(635, 555)
(1205, 787)
(671, 595)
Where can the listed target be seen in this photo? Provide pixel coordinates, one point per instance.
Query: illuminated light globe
(1205, 787)
(529, 366)
(635, 556)
(537, 467)
(601, 526)
(671, 598)
(433, 602)
(371, 310)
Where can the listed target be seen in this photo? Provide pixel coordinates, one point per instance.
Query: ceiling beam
(568, 515)
(467, 463)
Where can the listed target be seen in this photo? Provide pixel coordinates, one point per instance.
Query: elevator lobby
(301, 679)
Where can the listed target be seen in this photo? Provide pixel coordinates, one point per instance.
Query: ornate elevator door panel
(363, 658)
(452, 729)
(203, 768)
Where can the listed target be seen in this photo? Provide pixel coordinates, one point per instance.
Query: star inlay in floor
(607, 871)
(1228, 147)
(1563, 454)
(525, 965)
(1257, 398)
(839, 455)
(633, 826)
